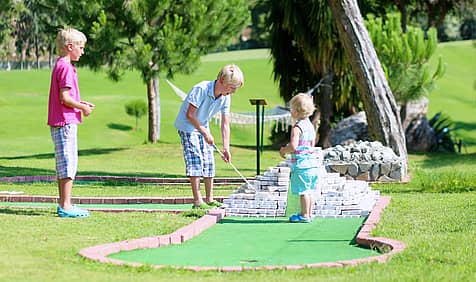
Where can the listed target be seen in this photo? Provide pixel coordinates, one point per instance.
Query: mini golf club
(237, 171)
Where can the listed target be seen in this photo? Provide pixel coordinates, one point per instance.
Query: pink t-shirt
(63, 76)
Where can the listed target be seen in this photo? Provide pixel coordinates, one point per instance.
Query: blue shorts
(303, 181)
(66, 150)
(198, 155)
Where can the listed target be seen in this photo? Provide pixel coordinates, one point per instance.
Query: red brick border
(100, 252)
(104, 200)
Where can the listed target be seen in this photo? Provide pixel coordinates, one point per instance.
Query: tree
(6, 29)
(405, 59)
(379, 103)
(306, 49)
(159, 36)
(136, 108)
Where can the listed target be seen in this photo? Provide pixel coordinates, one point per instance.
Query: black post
(258, 102)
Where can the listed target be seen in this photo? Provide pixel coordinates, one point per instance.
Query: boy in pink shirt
(64, 114)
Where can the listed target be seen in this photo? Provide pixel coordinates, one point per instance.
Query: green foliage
(405, 57)
(168, 36)
(443, 127)
(155, 37)
(6, 11)
(448, 182)
(136, 108)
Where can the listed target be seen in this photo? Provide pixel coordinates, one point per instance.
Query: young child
(304, 161)
(206, 99)
(64, 114)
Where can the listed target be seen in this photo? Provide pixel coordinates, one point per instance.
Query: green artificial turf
(259, 242)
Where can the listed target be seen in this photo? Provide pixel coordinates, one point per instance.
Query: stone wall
(364, 160)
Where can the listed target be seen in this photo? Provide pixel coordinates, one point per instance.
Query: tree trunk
(325, 108)
(403, 12)
(379, 104)
(152, 97)
(157, 103)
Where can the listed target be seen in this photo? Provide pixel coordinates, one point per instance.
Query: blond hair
(231, 74)
(303, 105)
(69, 36)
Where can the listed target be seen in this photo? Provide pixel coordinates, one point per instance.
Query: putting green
(236, 241)
(260, 242)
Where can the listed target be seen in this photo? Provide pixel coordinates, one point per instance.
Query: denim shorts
(66, 150)
(198, 155)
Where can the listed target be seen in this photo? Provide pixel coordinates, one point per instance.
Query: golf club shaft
(237, 171)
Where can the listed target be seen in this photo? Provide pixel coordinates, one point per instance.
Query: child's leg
(208, 189)
(197, 196)
(306, 205)
(65, 186)
(310, 204)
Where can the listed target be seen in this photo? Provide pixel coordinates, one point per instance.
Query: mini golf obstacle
(335, 196)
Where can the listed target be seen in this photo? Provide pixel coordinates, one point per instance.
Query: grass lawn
(434, 214)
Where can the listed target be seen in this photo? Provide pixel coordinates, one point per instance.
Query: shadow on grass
(137, 174)
(121, 127)
(438, 160)
(87, 152)
(465, 126)
(6, 171)
(253, 147)
(27, 212)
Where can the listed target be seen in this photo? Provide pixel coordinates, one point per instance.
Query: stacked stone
(266, 198)
(335, 196)
(340, 197)
(363, 160)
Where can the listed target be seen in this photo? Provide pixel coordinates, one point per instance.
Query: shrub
(136, 108)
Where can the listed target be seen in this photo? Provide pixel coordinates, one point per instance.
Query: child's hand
(88, 104)
(282, 152)
(88, 109)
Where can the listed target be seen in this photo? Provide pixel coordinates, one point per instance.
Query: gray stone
(396, 174)
(385, 178)
(340, 168)
(350, 129)
(385, 168)
(375, 172)
(365, 166)
(388, 154)
(346, 156)
(353, 169)
(363, 176)
(376, 156)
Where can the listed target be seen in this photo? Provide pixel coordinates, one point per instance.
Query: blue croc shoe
(73, 213)
(299, 218)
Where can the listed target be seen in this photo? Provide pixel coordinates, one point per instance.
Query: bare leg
(310, 205)
(65, 186)
(208, 189)
(197, 196)
(306, 206)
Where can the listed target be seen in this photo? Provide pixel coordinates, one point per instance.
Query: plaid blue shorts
(198, 155)
(66, 150)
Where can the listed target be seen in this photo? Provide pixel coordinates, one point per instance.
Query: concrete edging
(100, 252)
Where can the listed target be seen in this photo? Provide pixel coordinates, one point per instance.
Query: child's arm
(293, 144)
(67, 100)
